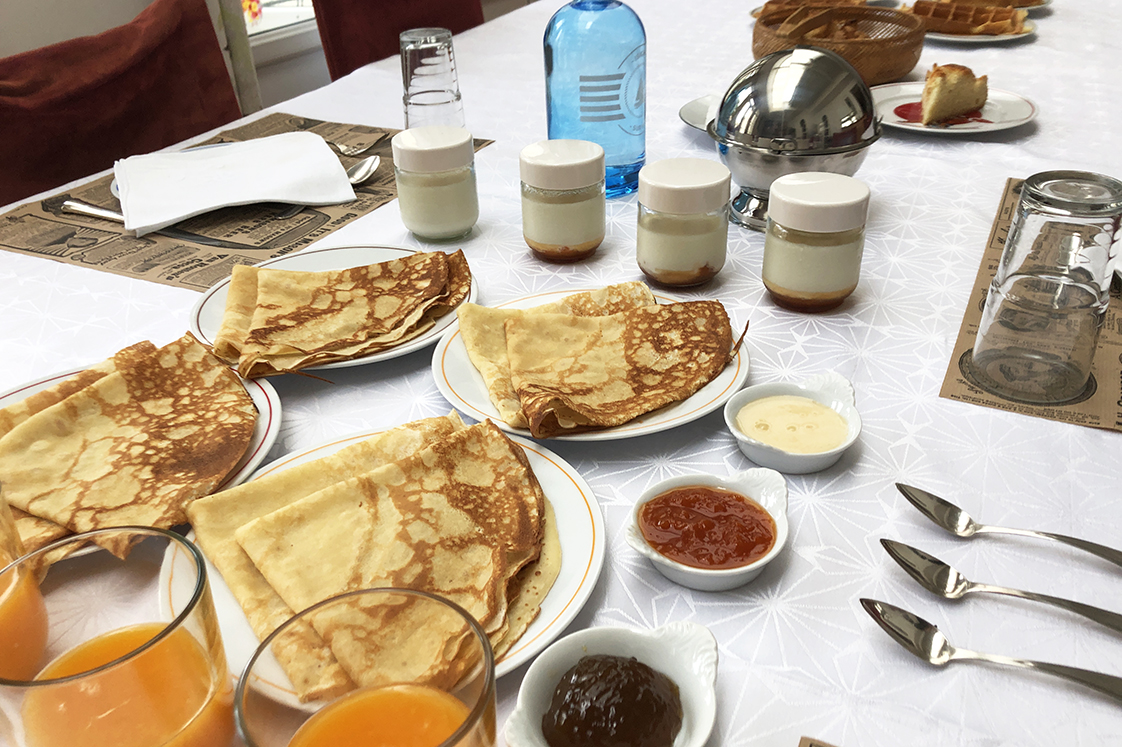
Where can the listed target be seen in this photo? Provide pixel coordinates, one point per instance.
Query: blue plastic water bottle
(596, 84)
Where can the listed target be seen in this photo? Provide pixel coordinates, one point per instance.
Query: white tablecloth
(798, 655)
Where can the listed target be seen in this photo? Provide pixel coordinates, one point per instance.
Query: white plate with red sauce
(898, 106)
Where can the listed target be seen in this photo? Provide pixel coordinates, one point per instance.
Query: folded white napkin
(159, 189)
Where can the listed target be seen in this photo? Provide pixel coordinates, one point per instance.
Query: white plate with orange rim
(206, 316)
(580, 526)
(460, 383)
(982, 39)
(265, 430)
(1003, 110)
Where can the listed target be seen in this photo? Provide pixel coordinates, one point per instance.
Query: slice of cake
(950, 91)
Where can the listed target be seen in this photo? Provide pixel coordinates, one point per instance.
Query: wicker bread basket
(890, 51)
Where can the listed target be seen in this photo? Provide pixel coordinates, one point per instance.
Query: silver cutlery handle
(1103, 683)
(1112, 620)
(1102, 551)
(78, 207)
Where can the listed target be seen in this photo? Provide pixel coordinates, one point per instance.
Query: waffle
(995, 3)
(950, 18)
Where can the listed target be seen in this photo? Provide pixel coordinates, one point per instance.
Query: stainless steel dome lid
(800, 101)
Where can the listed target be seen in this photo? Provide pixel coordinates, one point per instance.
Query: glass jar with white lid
(682, 234)
(563, 204)
(434, 168)
(815, 239)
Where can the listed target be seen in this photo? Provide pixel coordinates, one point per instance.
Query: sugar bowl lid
(798, 101)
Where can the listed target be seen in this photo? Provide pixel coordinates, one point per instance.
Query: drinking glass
(1040, 325)
(428, 73)
(108, 662)
(422, 669)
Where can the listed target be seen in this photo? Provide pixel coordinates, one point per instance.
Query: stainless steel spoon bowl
(925, 641)
(945, 581)
(956, 521)
(363, 170)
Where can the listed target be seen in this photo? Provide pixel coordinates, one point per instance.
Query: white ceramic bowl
(685, 652)
(766, 487)
(830, 389)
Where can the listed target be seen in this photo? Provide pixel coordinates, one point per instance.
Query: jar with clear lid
(434, 168)
(814, 240)
(682, 233)
(563, 203)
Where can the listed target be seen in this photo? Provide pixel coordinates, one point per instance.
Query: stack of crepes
(130, 441)
(431, 505)
(595, 359)
(951, 18)
(278, 321)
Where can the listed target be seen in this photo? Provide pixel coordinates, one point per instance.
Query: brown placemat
(214, 242)
(1100, 405)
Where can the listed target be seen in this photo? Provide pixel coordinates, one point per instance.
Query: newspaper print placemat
(201, 250)
(1100, 404)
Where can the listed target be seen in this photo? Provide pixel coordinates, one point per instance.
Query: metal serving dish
(801, 109)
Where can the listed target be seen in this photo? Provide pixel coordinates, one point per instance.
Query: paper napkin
(159, 189)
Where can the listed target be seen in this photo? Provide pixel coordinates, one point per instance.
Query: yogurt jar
(563, 204)
(435, 172)
(815, 238)
(683, 229)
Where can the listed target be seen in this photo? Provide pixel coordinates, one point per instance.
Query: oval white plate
(580, 526)
(1003, 109)
(206, 316)
(265, 430)
(460, 383)
(1029, 32)
(700, 112)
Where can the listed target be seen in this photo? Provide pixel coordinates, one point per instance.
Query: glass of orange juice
(23, 620)
(120, 666)
(418, 672)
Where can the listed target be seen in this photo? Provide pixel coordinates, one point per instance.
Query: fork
(356, 150)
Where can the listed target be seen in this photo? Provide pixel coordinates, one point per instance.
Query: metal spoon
(940, 578)
(363, 170)
(958, 522)
(925, 641)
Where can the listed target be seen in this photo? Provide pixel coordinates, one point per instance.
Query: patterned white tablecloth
(798, 655)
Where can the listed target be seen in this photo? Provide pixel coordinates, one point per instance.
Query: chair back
(71, 109)
(357, 32)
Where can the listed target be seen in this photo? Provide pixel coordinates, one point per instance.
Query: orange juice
(394, 716)
(23, 625)
(171, 695)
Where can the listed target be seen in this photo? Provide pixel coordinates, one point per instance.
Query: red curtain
(71, 109)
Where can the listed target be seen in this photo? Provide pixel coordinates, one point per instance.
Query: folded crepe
(133, 447)
(301, 652)
(484, 336)
(35, 531)
(277, 321)
(459, 518)
(574, 374)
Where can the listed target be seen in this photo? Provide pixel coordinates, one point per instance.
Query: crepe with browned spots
(313, 670)
(277, 321)
(575, 374)
(484, 336)
(133, 447)
(459, 518)
(35, 531)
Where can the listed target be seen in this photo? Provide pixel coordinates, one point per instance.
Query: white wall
(30, 24)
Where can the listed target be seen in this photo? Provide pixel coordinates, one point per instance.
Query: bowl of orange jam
(795, 428)
(712, 533)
